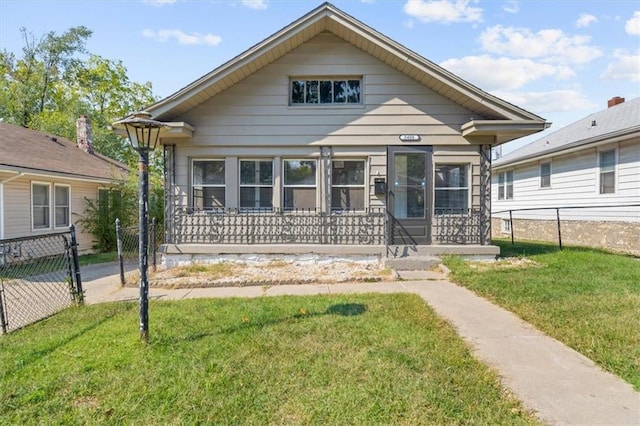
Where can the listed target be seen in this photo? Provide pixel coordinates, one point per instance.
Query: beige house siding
(17, 214)
(253, 119)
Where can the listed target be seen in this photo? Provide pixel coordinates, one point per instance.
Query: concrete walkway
(559, 384)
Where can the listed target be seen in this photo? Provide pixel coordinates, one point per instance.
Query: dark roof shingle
(38, 152)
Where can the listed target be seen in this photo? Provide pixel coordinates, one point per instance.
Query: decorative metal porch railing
(455, 226)
(278, 226)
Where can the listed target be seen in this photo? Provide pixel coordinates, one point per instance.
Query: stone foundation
(616, 236)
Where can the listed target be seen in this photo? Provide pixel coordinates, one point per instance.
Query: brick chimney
(84, 134)
(614, 101)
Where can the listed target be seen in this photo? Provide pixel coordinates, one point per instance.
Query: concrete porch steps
(412, 263)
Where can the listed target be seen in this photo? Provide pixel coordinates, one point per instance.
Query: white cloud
(158, 3)
(585, 20)
(625, 67)
(503, 73)
(549, 44)
(255, 4)
(445, 11)
(632, 26)
(548, 102)
(511, 6)
(182, 38)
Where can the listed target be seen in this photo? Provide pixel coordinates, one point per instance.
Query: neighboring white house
(592, 163)
(44, 180)
(329, 133)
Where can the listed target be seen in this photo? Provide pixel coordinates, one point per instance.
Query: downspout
(2, 182)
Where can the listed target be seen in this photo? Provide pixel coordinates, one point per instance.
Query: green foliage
(587, 298)
(119, 202)
(351, 359)
(54, 82)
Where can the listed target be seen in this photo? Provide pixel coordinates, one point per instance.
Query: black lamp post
(143, 133)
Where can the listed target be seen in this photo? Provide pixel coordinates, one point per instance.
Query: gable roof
(328, 18)
(33, 152)
(617, 121)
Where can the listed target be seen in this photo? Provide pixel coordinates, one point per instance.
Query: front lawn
(358, 359)
(588, 299)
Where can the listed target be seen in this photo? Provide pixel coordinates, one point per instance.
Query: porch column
(325, 179)
(485, 194)
(169, 170)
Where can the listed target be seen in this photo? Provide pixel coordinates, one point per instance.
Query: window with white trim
(505, 185)
(256, 184)
(208, 189)
(347, 185)
(323, 91)
(451, 188)
(545, 174)
(62, 205)
(299, 184)
(41, 205)
(506, 225)
(607, 163)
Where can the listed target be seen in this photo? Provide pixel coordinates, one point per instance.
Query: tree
(56, 80)
(44, 62)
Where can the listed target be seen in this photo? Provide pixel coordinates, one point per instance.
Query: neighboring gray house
(593, 162)
(329, 133)
(45, 179)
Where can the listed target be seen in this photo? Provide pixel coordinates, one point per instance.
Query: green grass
(93, 258)
(589, 299)
(360, 359)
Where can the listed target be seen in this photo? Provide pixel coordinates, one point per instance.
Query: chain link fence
(39, 276)
(128, 240)
(614, 227)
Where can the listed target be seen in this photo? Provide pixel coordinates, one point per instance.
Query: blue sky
(560, 59)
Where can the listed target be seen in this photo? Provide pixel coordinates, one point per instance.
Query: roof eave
(330, 13)
(503, 130)
(612, 137)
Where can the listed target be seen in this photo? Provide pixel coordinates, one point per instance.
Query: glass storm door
(409, 195)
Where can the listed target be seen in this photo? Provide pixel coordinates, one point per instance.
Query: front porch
(234, 235)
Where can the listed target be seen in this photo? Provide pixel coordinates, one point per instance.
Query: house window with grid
(41, 205)
(545, 175)
(311, 91)
(299, 184)
(347, 185)
(208, 184)
(256, 184)
(62, 208)
(451, 188)
(607, 160)
(505, 185)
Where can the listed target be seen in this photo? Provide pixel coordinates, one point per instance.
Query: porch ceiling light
(143, 132)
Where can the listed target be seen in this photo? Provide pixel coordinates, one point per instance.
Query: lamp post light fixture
(143, 134)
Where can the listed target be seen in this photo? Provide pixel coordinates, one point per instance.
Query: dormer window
(322, 91)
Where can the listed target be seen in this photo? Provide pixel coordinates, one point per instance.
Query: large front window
(299, 184)
(208, 189)
(325, 91)
(347, 185)
(451, 188)
(256, 184)
(40, 205)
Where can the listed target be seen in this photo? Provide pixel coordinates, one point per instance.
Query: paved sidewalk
(558, 383)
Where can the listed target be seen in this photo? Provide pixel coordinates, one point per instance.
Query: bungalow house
(45, 179)
(589, 169)
(329, 134)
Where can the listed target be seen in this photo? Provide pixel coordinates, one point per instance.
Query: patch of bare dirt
(272, 273)
(505, 263)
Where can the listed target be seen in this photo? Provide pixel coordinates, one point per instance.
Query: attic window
(323, 91)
